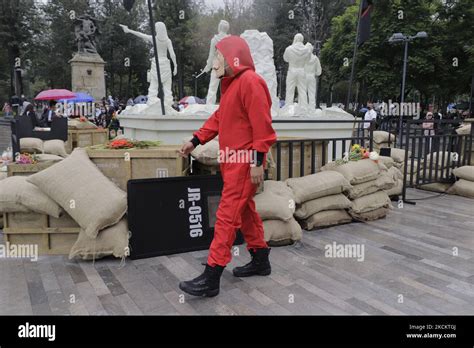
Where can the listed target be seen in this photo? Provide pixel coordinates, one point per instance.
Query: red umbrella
(55, 94)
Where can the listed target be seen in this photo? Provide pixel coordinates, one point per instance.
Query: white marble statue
(312, 69)
(261, 48)
(164, 45)
(223, 30)
(297, 56)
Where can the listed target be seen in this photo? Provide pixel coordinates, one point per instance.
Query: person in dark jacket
(31, 114)
(49, 114)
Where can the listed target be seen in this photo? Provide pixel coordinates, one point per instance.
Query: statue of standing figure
(297, 56)
(312, 69)
(223, 30)
(164, 45)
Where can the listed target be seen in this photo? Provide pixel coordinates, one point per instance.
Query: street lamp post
(195, 75)
(128, 5)
(395, 38)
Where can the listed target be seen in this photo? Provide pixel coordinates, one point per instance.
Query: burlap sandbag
(398, 155)
(462, 188)
(445, 159)
(208, 153)
(317, 185)
(279, 188)
(466, 173)
(370, 202)
(395, 190)
(387, 161)
(333, 202)
(31, 145)
(395, 173)
(78, 186)
(76, 124)
(464, 129)
(44, 157)
(440, 187)
(385, 181)
(273, 207)
(55, 147)
(383, 137)
(326, 218)
(357, 172)
(279, 232)
(19, 195)
(110, 241)
(370, 215)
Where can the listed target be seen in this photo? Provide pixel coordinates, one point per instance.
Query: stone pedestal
(87, 74)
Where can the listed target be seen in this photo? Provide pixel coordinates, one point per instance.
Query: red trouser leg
(237, 191)
(252, 226)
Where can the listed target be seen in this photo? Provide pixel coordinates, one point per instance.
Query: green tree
(379, 64)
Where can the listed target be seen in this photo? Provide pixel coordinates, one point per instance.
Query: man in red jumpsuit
(243, 122)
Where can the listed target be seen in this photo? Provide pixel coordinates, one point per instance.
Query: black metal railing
(316, 152)
(432, 150)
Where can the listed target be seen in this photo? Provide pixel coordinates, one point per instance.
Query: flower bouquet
(129, 144)
(26, 158)
(357, 153)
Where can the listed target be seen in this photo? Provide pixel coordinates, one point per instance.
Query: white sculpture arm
(285, 55)
(210, 59)
(318, 67)
(142, 36)
(173, 57)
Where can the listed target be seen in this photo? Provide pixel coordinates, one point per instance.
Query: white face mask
(219, 65)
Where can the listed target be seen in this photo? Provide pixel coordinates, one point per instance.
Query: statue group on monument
(303, 66)
(85, 31)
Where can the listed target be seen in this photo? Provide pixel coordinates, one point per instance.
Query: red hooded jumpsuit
(243, 122)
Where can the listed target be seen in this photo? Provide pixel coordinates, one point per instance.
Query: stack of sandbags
(96, 204)
(465, 185)
(398, 156)
(381, 140)
(47, 150)
(369, 180)
(437, 165)
(397, 188)
(17, 195)
(464, 129)
(394, 173)
(276, 205)
(320, 201)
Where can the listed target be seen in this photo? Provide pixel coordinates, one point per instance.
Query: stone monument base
(87, 74)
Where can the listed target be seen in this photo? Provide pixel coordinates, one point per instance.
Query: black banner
(364, 22)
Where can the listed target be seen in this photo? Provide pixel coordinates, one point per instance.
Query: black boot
(260, 264)
(207, 284)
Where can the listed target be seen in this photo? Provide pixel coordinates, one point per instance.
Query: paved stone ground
(408, 257)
